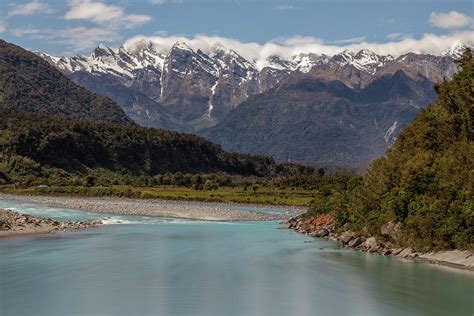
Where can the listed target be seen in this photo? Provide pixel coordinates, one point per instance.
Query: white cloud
(3, 26)
(19, 32)
(82, 38)
(104, 14)
(428, 44)
(398, 36)
(450, 20)
(285, 7)
(350, 40)
(33, 7)
(160, 2)
(75, 38)
(108, 20)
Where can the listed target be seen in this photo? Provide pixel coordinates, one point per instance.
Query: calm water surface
(151, 266)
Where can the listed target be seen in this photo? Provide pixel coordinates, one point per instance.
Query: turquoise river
(151, 266)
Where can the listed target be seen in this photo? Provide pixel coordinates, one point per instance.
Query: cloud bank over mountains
(91, 22)
(287, 47)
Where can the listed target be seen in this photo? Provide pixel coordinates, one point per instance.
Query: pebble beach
(164, 208)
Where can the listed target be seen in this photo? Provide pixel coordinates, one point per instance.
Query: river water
(152, 266)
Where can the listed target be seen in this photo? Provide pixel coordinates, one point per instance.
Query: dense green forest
(29, 84)
(426, 179)
(36, 146)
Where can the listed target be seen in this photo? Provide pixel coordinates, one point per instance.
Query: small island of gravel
(14, 224)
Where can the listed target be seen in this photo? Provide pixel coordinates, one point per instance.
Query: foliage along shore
(324, 226)
(255, 194)
(424, 185)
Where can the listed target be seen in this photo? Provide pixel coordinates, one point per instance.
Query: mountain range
(340, 109)
(53, 128)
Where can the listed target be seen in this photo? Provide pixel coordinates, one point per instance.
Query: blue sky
(76, 26)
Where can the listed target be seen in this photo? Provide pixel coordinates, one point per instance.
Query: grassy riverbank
(257, 195)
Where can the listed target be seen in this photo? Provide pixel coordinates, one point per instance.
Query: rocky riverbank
(164, 208)
(324, 227)
(13, 224)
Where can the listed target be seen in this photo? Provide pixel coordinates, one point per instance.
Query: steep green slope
(426, 180)
(28, 83)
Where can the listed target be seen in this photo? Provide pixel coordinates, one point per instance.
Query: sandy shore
(14, 224)
(162, 208)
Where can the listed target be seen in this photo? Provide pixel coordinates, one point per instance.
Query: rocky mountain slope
(308, 119)
(199, 89)
(30, 84)
(195, 88)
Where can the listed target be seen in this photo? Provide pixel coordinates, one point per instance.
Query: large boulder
(356, 242)
(370, 244)
(346, 236)
(390, 230)
(405, 253)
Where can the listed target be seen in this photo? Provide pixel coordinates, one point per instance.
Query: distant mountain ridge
(324, 122)
(254, 107)
(200, 89)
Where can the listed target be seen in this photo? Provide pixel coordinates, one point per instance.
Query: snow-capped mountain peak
(347, 54)
(147, 56)
(224, 57)
(218, 48)
(181, 46)
(365, 56)
(49, 58)
(275, 62)
(368, 60)
(364, 60)
(304, 62)
(456, 50)
(103, 50)
(202, 85)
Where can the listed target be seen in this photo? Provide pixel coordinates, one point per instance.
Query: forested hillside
(30, 84)
(425, 182)
(30, 142)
